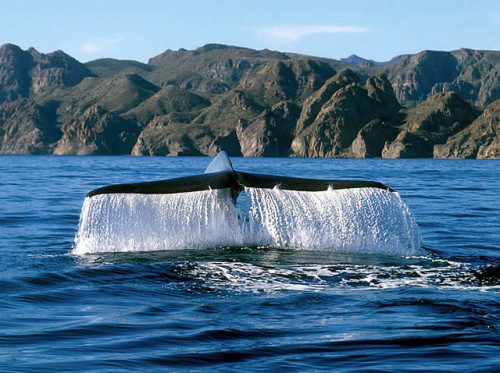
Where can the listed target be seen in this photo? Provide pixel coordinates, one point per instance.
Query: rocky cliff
(27, 128)
(429, 124)
(30, 73)
(97, 132)
(251, 103)
(479, 140)
(473, 75)
(332, 118)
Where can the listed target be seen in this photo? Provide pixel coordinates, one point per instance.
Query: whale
(220, 174)
(224, 207)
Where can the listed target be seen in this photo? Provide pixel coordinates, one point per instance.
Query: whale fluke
(227, 208)
(221, 175)
(217, 180)
(251, 180)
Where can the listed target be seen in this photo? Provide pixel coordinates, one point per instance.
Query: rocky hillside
(30, 73)
(474, 75)
(251, 103)
(481, 139)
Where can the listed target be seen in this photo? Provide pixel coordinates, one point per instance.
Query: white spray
(365, 220)
(145, 222)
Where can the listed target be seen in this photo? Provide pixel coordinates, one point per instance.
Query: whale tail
(204, 210)
(220, 174)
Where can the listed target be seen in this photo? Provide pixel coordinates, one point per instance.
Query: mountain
(251, 103)
(118, 93)
(169, 99)
(106, 67)
(332, 118)
(474, 75)
(355, 60)
(479, 140)
(429, 124)
(211, 69)
(97, 132)
(27, 128)
(30, 73)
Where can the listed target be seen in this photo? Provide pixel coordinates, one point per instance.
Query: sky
(139, 30)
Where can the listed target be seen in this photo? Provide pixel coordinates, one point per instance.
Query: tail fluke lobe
(195, 183)
(250, 180)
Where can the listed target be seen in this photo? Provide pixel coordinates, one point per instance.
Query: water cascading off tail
(358, 220)
(147, 222)
(361, 220)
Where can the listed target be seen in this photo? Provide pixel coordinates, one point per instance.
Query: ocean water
(302, 296)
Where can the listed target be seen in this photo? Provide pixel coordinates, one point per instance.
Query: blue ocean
(147, 289)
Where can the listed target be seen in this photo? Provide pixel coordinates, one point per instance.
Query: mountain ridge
(251, 103)
(355, 60)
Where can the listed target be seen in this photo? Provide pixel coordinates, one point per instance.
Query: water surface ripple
(249, 308)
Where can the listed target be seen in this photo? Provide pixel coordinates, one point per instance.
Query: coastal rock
(165, 137)
(313, 104)
(26, 128)
(97, 132)
(336, 125)
(229, 143)
(479, 140)
(342, 116)
(371, 139)
(429, 124)
(254, 103)
(441, 116)
(408, 145)
(269, 134)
